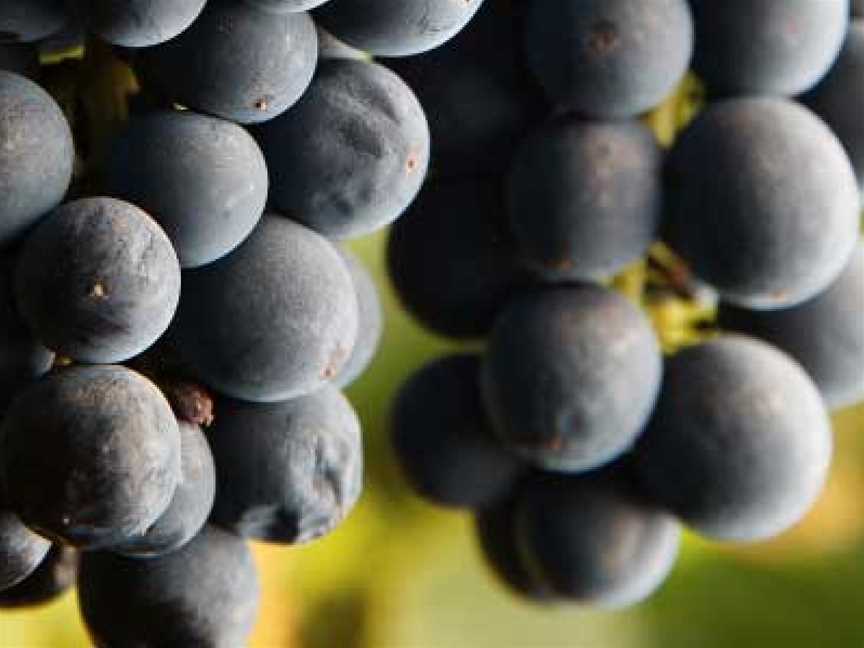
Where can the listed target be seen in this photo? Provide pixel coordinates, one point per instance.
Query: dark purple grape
(740, 444)
(570, 376)
(396, 27)
(287, 472)
(608, 59)
(91, 455)
(835, 98)
(205, 594)
(236, 61)
(762, 202)
(825, 334)
(442, 438)
(771, 47)
(36, 157)
(98, 280)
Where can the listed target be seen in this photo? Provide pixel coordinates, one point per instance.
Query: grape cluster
(177, 317)
(581, 437)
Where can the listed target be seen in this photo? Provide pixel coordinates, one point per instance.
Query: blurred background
(402, 574)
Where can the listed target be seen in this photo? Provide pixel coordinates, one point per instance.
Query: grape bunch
(667, 317)
(178, 316)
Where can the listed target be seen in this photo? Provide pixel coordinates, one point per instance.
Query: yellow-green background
(402, 574)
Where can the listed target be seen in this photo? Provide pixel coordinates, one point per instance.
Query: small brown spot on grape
(603, 38)
(337, 359)
(98, 291)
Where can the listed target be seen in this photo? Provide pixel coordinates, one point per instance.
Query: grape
(190, 506)
(771, 47)
(594, 540)
(21, 550)
(396, 27)
(442, 439)
(20, 58)
(54, 576)
(36, 155)
(609, 59)
(762, 202)
(202, 178)
(570, 376)
(370, 321)
(496, 534)
(477, 103)
(286, 6)
(139, 23)
(740, 443)
(460, 294)
(205, 594)
(287, 472)
(825, 334)
(30, 20)
(351, 155)
(835, 98)
(23, 359)
(236, 61)
(91, 455)
(585, 197)
(98, 280)
(275, 319)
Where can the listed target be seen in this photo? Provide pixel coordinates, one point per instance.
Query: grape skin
(26, 21)
(462, 296)
(475, 95)
(594, 540)
(98, 280)
(763, 448)
(761, 202)
(825, 334)
(204, 180)
(36, 157)
(54, 576)
(766, 47)
(585, 198)
(835, 98)
(287, 472)
(205, 594)
(396, 27)
(352, 154)
(273, 320)
(608, 59)
(190, 505)
(139, 23)
(570, 376)
(370, 321)
(91, 455)
(21, 550)
(248, 73)
(442, 438)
